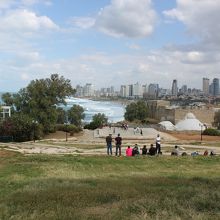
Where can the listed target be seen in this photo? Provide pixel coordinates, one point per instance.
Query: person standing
(109, 144)
(158, 144)
(118, 142)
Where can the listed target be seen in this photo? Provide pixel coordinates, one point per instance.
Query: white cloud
(83, 22)
(32, 2)
(122, 18)
(127, 18)
(201, 18)
(23, 20)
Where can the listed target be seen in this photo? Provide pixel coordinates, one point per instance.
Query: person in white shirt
(158, 149)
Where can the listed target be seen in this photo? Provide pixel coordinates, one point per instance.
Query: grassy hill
(100, 187)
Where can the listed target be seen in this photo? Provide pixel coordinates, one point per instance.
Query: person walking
(118, 142)
(158, 146)
(109, 144)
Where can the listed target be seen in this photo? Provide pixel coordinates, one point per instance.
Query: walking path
(93, 143)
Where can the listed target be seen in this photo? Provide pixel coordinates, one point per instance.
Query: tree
(98, 120)
(61, 115)
(40, 98)
(217, 119)
(21, 127)
(7, 98)
(135, 111)
(76, 115)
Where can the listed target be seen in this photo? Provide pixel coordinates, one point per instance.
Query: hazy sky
(109, 42)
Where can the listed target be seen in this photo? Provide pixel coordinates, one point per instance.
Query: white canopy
(167, 125)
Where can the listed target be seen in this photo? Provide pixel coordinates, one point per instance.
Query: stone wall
(206, 116)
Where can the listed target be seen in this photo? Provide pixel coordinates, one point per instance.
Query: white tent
(190, 123)
(167, 125)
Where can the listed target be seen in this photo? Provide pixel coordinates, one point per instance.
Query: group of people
(179, 151)
(144, 151)
(118, 142)
(132, 151)
(153, 150)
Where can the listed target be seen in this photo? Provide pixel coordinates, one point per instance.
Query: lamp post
(202, 125)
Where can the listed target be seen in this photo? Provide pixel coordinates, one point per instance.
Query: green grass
(99, 187)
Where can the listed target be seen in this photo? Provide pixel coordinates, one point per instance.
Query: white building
(5, 111)
(88, 90)
(137, 90)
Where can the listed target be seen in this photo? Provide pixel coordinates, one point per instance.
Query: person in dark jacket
(109, 144)
(118, 142)
(152, 150)
(144, 150)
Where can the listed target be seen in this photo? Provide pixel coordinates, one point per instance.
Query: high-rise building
(123, 91)
(215, 87)
(88, 90)
(205, 86)
(153, 90)
(137, 90)
(131, 90)
(174, 88)
(184, 89)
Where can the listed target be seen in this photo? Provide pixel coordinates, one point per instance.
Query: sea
(113, 110)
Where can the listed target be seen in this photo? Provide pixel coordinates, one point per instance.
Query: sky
(109, 42)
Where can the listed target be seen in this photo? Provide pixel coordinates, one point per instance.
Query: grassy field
(98, 187)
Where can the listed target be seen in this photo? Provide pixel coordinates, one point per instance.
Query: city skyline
(109, 42)
(151, 90)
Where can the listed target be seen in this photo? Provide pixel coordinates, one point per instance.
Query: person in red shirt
(129, 151)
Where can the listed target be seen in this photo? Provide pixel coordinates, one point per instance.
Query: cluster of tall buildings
(151, 91)
(88, 90)
(211, 88)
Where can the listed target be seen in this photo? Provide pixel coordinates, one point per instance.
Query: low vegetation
(76, 187)
(211, 132)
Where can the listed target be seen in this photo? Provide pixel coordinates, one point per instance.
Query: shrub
(211, 132)
(68, 128)
(91, 126)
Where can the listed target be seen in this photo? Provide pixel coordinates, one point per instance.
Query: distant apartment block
(205, 86)
(174, 88)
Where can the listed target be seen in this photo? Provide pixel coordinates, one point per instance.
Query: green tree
(21, 127)
(135, 111)
(8, 99)
(98, 120)
(217, 119)
(40, 98)
(61, 115)
(76, 115)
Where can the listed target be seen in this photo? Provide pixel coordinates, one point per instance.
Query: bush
(68, 128)
(91, 126)
(211, 132)
(21, 127)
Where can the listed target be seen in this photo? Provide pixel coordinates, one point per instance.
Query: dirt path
(93, 143)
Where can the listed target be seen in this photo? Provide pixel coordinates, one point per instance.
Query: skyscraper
(215, 87)
(205, 86)
(174, 88)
